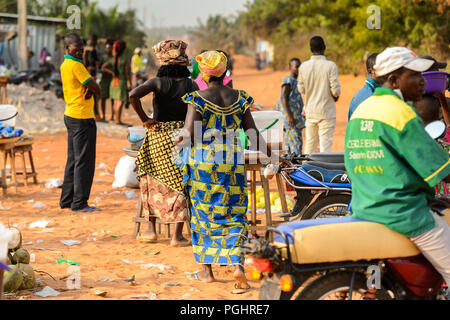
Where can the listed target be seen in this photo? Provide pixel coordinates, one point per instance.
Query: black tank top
(167, 104)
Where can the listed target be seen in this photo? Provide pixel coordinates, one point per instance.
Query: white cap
(394, 58)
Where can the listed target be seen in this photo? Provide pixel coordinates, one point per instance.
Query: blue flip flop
(88, 209)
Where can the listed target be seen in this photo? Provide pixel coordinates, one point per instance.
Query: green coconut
(29, 278)
(12, 279)
(20, 256)
(16, 241)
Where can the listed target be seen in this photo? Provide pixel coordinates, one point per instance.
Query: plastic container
(8, 115)
(436, 81)
(9, 132)
(270, 124)
(136, 136)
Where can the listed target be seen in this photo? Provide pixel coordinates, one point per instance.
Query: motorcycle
(321, 183)
(21, 76)
(46, 77)
(55, 85)
(318, 260)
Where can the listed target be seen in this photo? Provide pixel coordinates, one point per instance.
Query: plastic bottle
(9, 132)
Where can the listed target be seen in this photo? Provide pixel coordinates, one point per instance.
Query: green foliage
(422, 25)
(221, 32)
(108, 23)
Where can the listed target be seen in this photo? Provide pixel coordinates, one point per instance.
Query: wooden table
(256, 162)
(6, 147)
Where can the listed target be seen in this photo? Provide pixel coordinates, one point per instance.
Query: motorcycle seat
(344, 239)
(333, 157)
(327, 165)
(330, 174)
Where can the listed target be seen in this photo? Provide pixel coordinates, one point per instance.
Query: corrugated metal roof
(33, 18)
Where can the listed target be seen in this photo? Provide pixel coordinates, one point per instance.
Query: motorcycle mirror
(436, 129)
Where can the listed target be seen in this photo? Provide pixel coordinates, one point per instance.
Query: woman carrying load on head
(214, 170)
(160, 180)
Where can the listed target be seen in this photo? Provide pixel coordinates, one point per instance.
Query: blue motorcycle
(321, 183)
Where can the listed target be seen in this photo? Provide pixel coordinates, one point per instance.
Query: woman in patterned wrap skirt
(160, 180)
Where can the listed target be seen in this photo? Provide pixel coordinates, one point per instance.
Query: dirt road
(107, 254)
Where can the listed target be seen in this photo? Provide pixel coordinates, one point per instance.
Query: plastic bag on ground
(125, 175)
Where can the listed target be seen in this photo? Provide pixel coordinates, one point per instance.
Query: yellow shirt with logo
(74, 76)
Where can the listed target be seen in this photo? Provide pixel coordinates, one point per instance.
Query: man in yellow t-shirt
(79, 88)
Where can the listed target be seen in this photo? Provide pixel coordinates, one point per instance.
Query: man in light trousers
(318, 81)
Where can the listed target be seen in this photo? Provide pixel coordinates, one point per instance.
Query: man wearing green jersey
(393, 163)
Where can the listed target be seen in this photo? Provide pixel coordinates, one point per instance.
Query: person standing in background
(121, 77)
(291, 105)
(105, 81)
(369, 87)
(137, 64)
(318, 81)
(79, 88)
(91, 61)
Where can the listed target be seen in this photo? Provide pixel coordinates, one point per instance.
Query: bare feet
(206, 276)
(149, 236)
(183, 242)
(241, 281)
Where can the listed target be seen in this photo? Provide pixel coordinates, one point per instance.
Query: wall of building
(39, 37)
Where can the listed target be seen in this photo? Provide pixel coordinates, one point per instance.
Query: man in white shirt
(318, 81)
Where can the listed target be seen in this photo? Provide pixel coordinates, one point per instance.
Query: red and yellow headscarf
(211, 64)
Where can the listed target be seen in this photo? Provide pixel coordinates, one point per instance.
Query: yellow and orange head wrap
(211, 64)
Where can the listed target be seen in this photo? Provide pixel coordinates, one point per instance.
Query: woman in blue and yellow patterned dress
(291, 105)
(214, 169)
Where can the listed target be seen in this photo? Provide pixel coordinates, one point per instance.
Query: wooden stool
(6, 149)
(254, 165)
(139, 218)
(22, 148)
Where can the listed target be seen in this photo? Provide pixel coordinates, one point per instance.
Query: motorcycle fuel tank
(417, 274)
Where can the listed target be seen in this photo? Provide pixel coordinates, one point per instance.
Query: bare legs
(103, 109)
(177, 239)
(112, 110)
(206, 275)
(117, 110)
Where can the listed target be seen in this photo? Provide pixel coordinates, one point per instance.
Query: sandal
(240, 290)
(87, 209)
(193, 276)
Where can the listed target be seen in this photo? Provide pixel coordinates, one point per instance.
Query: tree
(221, 32)
(422, 25)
